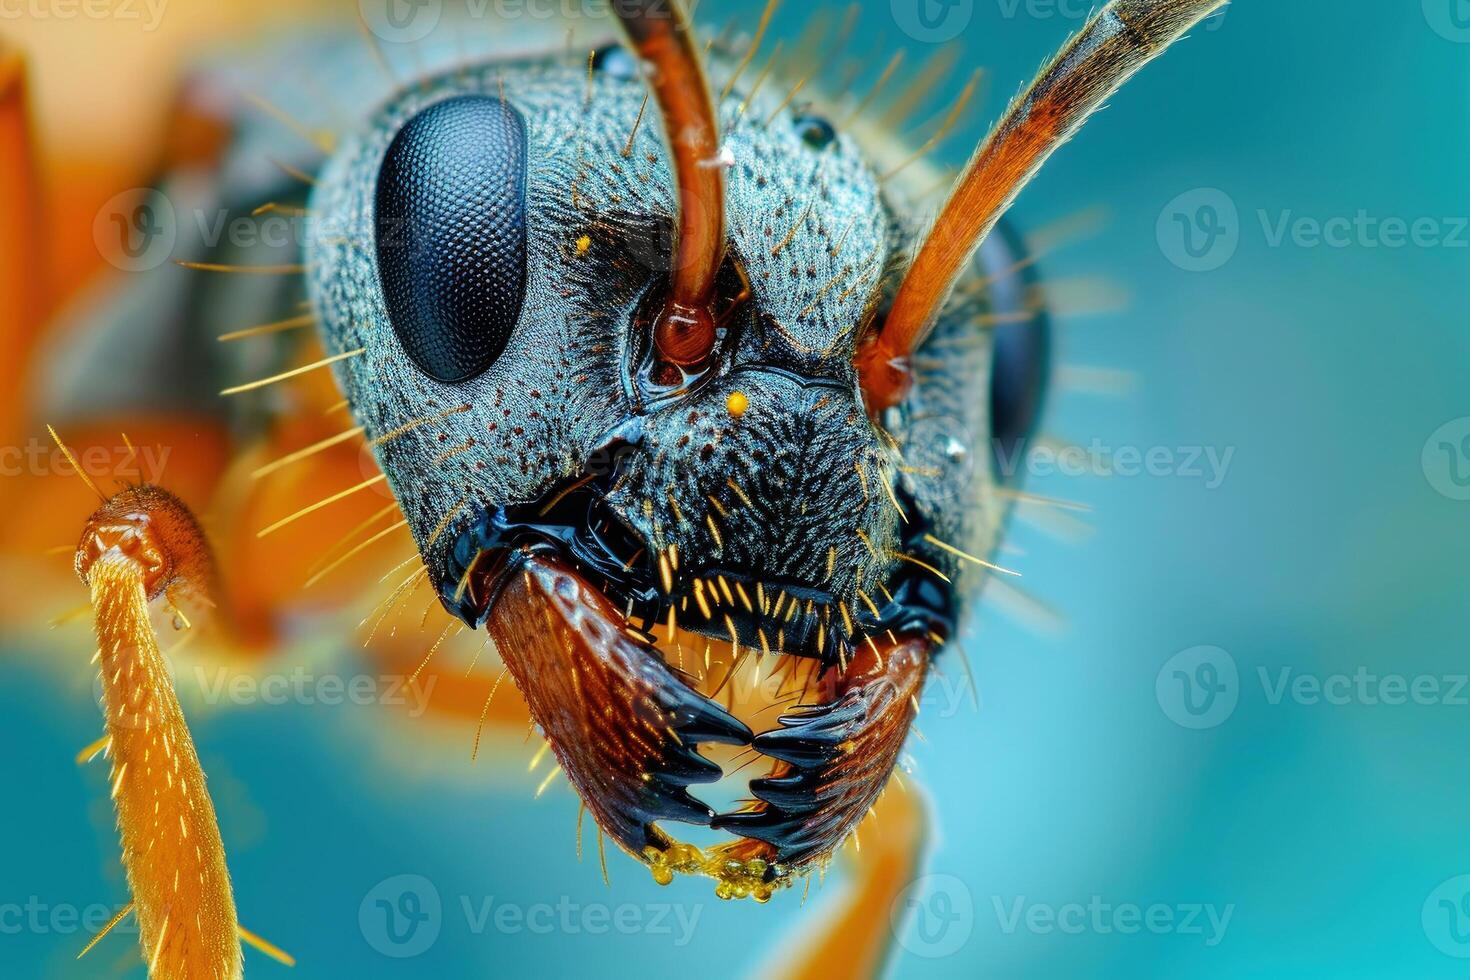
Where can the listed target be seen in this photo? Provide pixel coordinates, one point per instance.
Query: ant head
(711, 377)
(509, 267)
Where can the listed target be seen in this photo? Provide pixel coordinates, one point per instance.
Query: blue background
(1325, 550)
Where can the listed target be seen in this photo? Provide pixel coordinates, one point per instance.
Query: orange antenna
(143, 544)
(75, 466)
(658, 30)
(1119, 40)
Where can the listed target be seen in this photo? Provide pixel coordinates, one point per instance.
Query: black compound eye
(1021, 348)
(814, 131)
(451, 234)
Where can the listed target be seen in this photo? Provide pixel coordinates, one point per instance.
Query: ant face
(508, 254)
(631, 412)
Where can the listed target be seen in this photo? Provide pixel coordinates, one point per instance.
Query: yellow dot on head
(583, 244)
(737, 403)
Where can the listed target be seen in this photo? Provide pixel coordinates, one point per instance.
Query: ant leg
(856, 936)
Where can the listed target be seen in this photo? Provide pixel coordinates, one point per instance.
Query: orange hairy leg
(855, 941)
(143, 544)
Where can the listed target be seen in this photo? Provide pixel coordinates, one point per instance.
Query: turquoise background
(1330, 831)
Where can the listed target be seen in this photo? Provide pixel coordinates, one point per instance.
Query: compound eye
(1021, 350)
(450, 224)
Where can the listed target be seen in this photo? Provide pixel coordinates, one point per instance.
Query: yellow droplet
(736, 404)
(583, 244)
